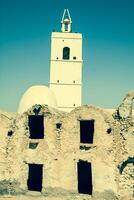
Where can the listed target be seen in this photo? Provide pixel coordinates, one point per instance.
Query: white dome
(37, 95)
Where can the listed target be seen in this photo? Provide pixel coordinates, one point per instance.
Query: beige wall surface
(110, 154)
(66, 75)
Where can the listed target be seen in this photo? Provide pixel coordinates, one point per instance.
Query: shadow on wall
(124, 164)
(107, 195)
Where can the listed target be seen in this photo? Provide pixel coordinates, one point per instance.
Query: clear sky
(108, 47)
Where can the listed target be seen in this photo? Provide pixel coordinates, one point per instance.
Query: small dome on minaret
(66, 22)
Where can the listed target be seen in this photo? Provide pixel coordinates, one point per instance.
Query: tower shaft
(66, 68)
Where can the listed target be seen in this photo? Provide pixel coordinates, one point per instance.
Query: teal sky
(108, 47)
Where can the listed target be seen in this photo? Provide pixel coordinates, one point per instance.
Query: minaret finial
(66, 21)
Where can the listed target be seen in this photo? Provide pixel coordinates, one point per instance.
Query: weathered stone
(110, 154)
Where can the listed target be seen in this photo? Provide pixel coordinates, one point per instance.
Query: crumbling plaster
(124, 145)
(60, 150)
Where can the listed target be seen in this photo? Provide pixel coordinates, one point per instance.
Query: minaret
(66, 65)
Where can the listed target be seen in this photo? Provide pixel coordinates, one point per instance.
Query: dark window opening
(86, 131)
(57, 58)
(74, 104)
(33, 145)
(36, 126)
(109, 130)
(10, 133)
(58, 125)
(74, 57)
(37, 109)
(66, 53)
(82, 147)
(84, 171)
(34, 181)
(73, 81)
(57, 81)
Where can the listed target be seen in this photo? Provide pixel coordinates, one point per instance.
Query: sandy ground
(42, 198)
(38, 197)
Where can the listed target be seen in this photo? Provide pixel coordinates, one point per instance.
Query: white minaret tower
(66, 65)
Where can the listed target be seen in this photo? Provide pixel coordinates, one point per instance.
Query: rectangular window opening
(36, 126)
(34, 181)
(86, 131)
(84, 171)
(58, 125)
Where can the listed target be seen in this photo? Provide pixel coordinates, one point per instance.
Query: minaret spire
(66, 21)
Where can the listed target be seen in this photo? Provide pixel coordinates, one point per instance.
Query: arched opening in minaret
(66, 53)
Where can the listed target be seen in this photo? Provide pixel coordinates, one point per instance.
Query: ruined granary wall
(61, 149)
(38, 151)
(99, 154)
(124, 147)
(5, 126)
